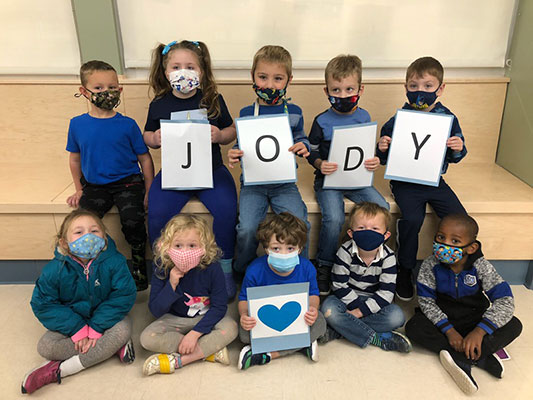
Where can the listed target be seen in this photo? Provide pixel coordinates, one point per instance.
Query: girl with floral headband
(188, 296)
(181, 79)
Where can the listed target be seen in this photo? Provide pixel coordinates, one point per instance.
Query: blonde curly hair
(179, 224)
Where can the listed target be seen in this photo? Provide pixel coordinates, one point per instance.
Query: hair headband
(168, 46)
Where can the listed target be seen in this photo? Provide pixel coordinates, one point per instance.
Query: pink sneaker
(127, 353)
(43, 375)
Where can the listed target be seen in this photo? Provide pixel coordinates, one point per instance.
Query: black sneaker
(311, 352)
(331, 334)
(247, 359)
(460, 372)
(323, 278)
(404, 285)
(493, 365)
(394, 341)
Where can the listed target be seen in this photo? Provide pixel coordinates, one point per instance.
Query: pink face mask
(185, 260)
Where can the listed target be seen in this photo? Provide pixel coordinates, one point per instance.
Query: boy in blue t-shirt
(271, 74)
(344, 89)
(283, 237)
(423, 84)
(106, 149)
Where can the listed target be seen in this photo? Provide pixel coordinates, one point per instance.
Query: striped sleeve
(427, 295)
(499, 293)
(386, 287)
(340, 275)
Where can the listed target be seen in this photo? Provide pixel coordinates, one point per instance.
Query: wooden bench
(36, 178)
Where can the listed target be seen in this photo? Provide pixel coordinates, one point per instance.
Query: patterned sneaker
(42, 375)
(127, 353)
(311, 352)
(247, 359)
(141, 282)
(460, 372)
(493, 365)
(221, 356)
(393, 341)
(162, 364)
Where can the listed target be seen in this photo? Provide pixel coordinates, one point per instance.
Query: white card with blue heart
(279, 311)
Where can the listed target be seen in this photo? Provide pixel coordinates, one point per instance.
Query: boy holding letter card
(343, 89)
(283, 237)
(185, 151)
(423, 85)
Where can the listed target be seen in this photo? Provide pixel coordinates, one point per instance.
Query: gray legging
(55, 346)
(317, 330)
(165, 334)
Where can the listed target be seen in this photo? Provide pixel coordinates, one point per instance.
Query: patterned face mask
(106, 100)
(448, 254)
(344, 104)
(88, 246)
(184, 80)
(270, 96)
(185, 260)
(421, 100)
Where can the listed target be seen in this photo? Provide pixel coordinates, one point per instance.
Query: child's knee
(396, 317)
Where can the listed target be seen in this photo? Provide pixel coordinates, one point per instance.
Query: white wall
(38, 37)
(384, 33)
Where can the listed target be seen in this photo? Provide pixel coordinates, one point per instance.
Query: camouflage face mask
(106, 100)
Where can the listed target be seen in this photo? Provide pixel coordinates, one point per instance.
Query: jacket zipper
(456, 287)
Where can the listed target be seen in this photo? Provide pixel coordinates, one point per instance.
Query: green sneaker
(247, 359)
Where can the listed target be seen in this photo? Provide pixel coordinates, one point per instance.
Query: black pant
(128, 195)
(422, 331)
(412, 199)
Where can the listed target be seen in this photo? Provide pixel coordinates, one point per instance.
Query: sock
(71, 366)
(226, 263)
(376, 339)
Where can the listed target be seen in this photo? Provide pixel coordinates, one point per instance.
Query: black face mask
(344, 104)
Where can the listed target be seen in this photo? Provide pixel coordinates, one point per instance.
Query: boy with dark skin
(466, 308)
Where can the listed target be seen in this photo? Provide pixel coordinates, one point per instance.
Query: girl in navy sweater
(188, 298)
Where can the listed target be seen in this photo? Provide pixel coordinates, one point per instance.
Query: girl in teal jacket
(82, 297)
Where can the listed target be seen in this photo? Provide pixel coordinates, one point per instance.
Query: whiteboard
(38, 37)
(384, 33)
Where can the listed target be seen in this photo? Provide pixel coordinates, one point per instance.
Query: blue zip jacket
(65, 301)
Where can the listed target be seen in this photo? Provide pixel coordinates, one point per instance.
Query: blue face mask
(421, 100)
(88, 246)
(448, 254)
(368, 239)
(283, 263)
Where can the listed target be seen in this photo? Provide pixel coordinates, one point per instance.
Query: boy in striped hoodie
(363, 279)
(466, 308)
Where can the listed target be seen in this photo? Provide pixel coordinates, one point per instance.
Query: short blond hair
(342, 66)
(275, 55)
(178, 224)
(370, 210)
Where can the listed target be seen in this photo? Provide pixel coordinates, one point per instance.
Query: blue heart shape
(279, 319)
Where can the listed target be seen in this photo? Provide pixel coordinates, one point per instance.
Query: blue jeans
(253, 206)
(221, 201)
(360, 330)
(332, 207)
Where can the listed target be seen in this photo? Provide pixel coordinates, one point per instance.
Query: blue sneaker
(460, 372)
